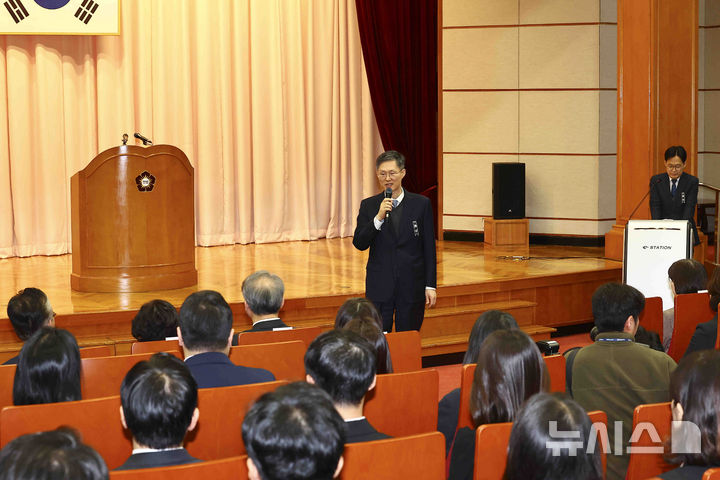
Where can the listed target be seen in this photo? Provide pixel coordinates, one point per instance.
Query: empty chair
(155, 346)
(690, 309)
(643, 464)
(283, 359)
(420, 457)
(98, 351)
(7, 376)
(405, 351)
(233, 468)
(307, 335)
(556, 369)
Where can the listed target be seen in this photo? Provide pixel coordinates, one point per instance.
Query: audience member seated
(49, 369)
(57, 455)
(264, 298)
(536, 452)
(343, 364)
(449, 407)
(205, 333)
(156, 320)
(357, 307)
(686, 276)
(159, 406)
(695, 393)
(368, 329)
(615, 374)
(706, 332)
(510, 369)
(294, 432)
(28, 311)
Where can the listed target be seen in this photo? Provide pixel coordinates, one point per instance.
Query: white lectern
(651, 246)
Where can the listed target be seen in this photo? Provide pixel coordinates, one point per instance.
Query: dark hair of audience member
(156, 320)
(510, 369)
(294, 433)
(485, 324)
(368, 329)
(343, 364)
(48, 369)
(29, 310)
(159, 397)
(714, 289)
(613, 303)
(356, 308)
(695, 385)
(54, 455)
(688, 276)
(531, 454)
(649, 338)
(205, 321)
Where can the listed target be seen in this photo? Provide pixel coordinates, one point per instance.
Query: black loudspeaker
(508, 190)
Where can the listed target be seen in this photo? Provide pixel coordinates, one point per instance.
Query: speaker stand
(507, 233)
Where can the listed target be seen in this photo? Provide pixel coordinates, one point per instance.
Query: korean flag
(53, 17)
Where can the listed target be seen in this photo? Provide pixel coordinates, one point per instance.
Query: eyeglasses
(391, 173)
(677, 166)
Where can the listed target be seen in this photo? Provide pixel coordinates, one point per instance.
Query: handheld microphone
(643, 198)
(388, 194)
(145, 140)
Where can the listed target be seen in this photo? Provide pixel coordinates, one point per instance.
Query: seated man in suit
(28, 311)
(293, 432)
(264, 297)
(343, 364)
(205, 333)
(159, 406)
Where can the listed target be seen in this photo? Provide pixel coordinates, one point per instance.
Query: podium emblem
(145, 181)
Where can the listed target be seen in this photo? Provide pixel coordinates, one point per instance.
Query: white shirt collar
(401, 196)
(355, 419)
(266, 320)
(152, 450)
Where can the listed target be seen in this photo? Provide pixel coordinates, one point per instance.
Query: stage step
(459, 342)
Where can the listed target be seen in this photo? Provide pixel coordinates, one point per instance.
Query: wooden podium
(133, 222)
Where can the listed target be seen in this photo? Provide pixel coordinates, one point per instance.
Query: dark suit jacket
(361, 431)
(262, 326)
(704, 337)
(214, 369)
(689, 472)
(158, 459)
(663, 205)
(462, 456)
(405, 257)
(12, 361)
(448, 412)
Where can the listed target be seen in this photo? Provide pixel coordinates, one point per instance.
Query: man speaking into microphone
(397, 226)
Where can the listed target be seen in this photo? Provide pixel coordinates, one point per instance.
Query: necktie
(395, 201)
(673, 189)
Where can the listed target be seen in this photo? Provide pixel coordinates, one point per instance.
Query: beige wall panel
(479, 12)
(710, 174)
(712, 12)
(712, 57)
(608, 10)
(568, 227)
(712, 121)
(559, 57)
(701, 12)
(484, 58)
(473, 224)
(559, 122)
(561, 186)
(480, 122)
(558, 11)
(701, 121)
(467, 183)
(701, 57)
(607, 178)
(607, 134)
(608, 56)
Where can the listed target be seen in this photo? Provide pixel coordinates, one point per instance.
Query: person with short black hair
(294, 432)
(159, 406)
(534, 453)
(706, 332)
(57, 455)
(156, 320)
(686, 275)
(205, 333)
(343, 364)
(264, 295)
(28, 311)
(49, 369)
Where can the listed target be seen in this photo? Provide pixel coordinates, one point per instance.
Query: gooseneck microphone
(145, 140)
(643, 198)
(388, 194)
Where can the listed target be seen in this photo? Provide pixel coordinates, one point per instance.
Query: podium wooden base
(135, 283)
(507, 233)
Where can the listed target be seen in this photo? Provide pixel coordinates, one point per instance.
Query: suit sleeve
(655, 200)
(703, 338)
(691, 200)
(429, 247)
(365, 231)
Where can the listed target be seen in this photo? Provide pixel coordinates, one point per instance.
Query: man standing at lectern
(397, 226)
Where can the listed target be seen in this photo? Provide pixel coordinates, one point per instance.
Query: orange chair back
(711, 474)
(306, 335)
(690, 309)
(404, 404)
(99, 351)
(219, 431)
(102, 377)
(97, 420)
(556, 369)
(599, 419)
(652, 315)
(7, 378)
(405, 351)
(642, 464)
(155, 347)
(466, 381)
(420, 457)
(233, 468)
(286, 360)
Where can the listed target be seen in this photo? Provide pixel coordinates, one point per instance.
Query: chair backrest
(155, 346)
(102, 377)
(405, 351)
(420, 457)
(404, 404)
(7, 378)
(233, 468)
(97, 420)
(466, 381)
(556, 369)
(219, 431)
(599, 419)
(652, 315)
(99, 351)
(286, 360)
(644, 464)
(690, 309)
(306, 335)
(711, 474)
